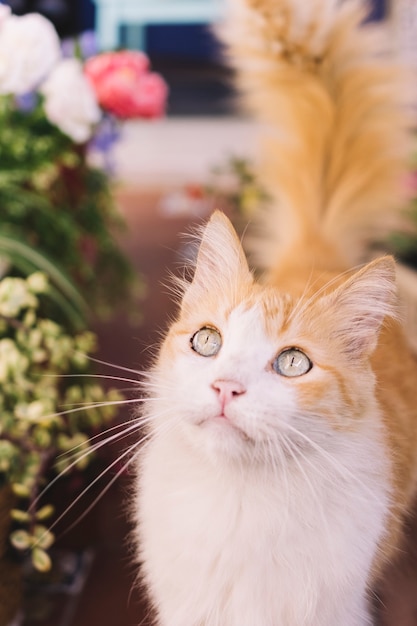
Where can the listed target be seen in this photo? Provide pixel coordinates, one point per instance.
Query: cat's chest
(258, 547)
(241, 514)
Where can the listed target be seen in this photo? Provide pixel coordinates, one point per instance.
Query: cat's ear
(355, 311)
(221, 269)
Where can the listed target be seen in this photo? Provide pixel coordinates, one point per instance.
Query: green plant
(58, 214)
(40, 364)
(236, 182)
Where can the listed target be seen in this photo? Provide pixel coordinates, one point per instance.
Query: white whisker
(97, 405)
(93, 482)
(288, 444)
(342, 470)
(107, 364)
(101, 376)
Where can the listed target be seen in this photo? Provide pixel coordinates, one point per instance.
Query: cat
(281, 459)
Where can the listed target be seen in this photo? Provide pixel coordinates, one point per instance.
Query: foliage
(40, 368)
(53, 109)
(236, 182)
(59, 205)
(58, 216)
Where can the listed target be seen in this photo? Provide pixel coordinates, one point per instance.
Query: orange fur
(315, 469)
(337, 128)
(335, 157)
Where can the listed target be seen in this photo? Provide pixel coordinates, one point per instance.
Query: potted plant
(40, 367)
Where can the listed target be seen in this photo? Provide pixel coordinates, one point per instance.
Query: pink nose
(227, 390)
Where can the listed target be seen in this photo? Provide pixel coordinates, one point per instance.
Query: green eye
(291, 363)
(206, 341)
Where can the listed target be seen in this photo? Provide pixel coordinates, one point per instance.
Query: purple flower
(26, 102)
(107, 134)
(85, 43)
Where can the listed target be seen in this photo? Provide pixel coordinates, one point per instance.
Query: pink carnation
(101, 65)
(125, 87)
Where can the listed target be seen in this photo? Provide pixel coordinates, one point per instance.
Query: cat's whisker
(155, 387)
(105, 489)
(124, 430)
(279, 467)
(113, 365)
(100, 376)
(80, 456)
(288, 444)
(87, 406)
(136, 425)
(90, 405)
(342, 470)
(93, 482)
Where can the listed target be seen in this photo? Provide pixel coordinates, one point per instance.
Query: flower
(100, 66)
(4, 12)
(29, 48)
(125, 87)
(70, 102)
(56, 146)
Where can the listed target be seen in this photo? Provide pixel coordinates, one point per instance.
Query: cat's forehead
(266, 308)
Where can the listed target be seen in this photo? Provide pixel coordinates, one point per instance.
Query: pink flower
(125, 87)
(411, 184)
(100, 66)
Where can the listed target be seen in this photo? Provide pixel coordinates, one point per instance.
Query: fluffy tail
(336, 109)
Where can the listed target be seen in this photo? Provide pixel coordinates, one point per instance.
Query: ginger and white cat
(282, 452)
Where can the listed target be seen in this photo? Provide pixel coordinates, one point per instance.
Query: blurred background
(165, 176)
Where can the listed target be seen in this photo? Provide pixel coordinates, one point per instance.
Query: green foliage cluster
(40, 367)
(58, 214)
(237, 183)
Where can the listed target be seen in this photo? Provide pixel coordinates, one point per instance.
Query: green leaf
(21, 539)
(19, 516)
(41, 560)
(21, 491)
(43, 537)
(65, 294)
(45, 512)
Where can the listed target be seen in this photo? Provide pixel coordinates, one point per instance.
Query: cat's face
(248, 372)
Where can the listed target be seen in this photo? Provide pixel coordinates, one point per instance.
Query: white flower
(5, 12)
(29, 48)
(70, 102)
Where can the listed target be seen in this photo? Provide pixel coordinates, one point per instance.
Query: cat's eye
(206, 341)
(292, 362)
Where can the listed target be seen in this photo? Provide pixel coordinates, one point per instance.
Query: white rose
(70, 102)
(5, 12)
(29, 48)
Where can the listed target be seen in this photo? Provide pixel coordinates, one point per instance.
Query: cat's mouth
(222, 421)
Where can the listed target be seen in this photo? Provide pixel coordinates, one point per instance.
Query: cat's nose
(228, 389)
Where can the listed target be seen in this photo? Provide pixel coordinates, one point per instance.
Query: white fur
(256, 533)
